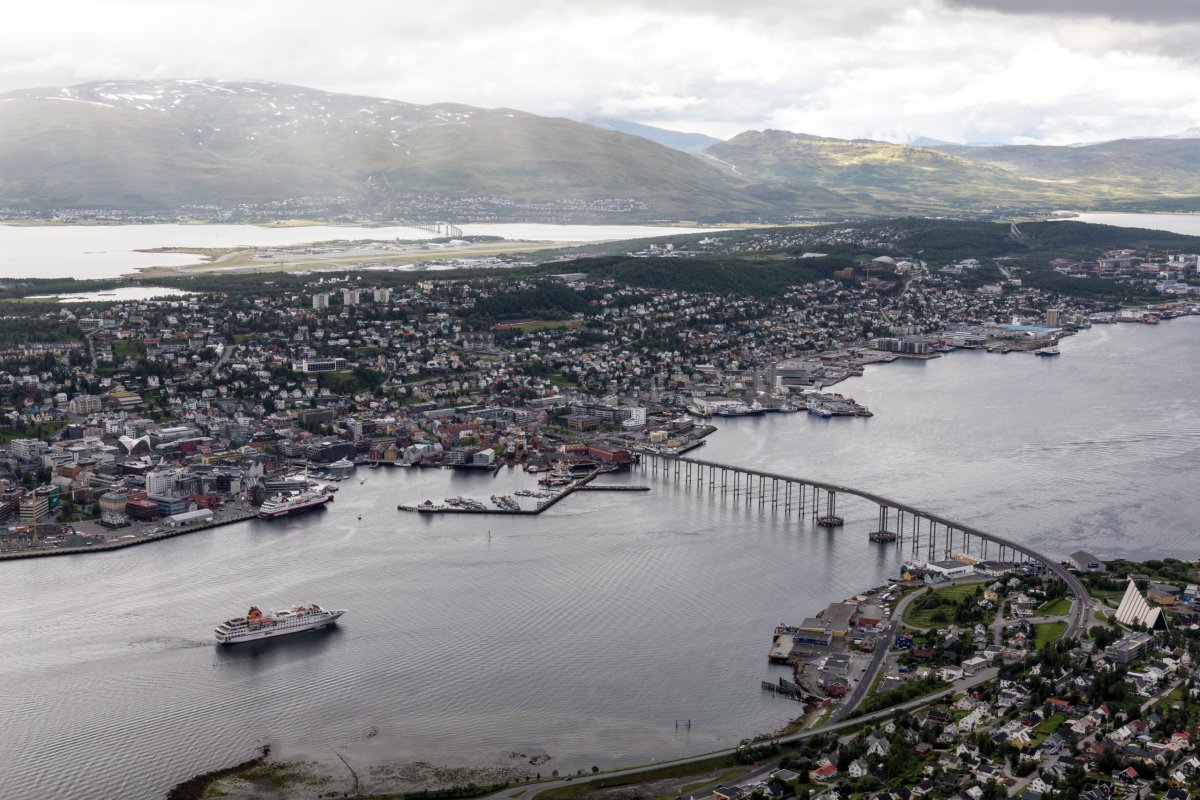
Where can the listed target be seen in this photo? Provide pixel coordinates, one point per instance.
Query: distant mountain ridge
(971, 179)
(165, 145)
(676, 140)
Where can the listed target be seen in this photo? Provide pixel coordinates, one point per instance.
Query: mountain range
(155, 145)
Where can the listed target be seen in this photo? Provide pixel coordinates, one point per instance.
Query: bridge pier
(795, 493)
(830, 519)
(882, 533)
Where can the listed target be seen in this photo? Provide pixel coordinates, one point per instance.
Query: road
(530, 791)
(881, 651)
(837, 722)
(226, 352)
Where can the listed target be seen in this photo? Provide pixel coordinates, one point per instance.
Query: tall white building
(27, 450)
(160, 482)
(321, 300)
(383, 295)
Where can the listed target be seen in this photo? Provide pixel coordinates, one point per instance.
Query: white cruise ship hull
(272, 631)
(273, 509)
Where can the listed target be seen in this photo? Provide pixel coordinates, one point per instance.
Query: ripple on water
(588, 631)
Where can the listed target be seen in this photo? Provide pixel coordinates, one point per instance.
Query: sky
(1005, 71)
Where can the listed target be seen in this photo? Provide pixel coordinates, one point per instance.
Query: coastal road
(529, 791)
(868, 677)
(881, 651)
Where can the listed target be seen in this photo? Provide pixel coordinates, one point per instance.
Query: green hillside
(974, 180)
(153, 145)
(168, 145)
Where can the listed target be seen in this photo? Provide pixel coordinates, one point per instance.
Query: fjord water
(109, 251)
(584, 633)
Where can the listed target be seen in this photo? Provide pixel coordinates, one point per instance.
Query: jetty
(610, 487)
(583, 484)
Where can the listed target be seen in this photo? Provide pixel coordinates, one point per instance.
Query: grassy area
(1046, 633)
(545, 325)
(1050, 724)
(949, 596)
(1047, 727)
(1173, 696)
(1055, 608)
(125, 348)
(662, 773)
(1110, 596)
(709, 783)
(42, 430)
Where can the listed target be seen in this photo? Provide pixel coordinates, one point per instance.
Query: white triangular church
(1136, 610)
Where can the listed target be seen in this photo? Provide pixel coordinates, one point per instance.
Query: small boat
(1052, 350)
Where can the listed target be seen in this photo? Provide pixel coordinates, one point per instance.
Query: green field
(949, 595)
(125, 348)
(1055, 608)
(676, 771)
(1047, 633)
(42, 430)
(545, 325)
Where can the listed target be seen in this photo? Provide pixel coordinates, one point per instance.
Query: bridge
(818, 499)
(440, 229)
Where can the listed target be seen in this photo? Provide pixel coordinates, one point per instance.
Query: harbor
(607, 602)
(565, 483)
(101, 540)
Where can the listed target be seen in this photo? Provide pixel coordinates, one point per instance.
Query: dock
(581, 485)
(613, 488)
(781, 647)
(122, 543)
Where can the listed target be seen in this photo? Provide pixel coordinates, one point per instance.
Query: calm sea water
(588, 631)
(108, 251)
(99, 251)
(1177, 223)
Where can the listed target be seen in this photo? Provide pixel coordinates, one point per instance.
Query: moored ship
(263, 625)
(295, 503)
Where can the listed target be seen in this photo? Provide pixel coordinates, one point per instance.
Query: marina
(508, 505)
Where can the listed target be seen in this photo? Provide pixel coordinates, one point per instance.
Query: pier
(118, 544)
(612, 487)
(903, 526)
(584, 484)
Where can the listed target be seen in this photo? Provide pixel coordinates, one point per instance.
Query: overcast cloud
(1050, 71)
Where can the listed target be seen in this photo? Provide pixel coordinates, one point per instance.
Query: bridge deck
(1076, 587)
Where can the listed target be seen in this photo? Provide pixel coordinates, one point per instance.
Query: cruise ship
(296, 503)
(264, 625)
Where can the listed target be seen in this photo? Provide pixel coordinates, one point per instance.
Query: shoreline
(120, 544)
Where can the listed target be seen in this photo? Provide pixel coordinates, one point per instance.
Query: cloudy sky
(1049, 71)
